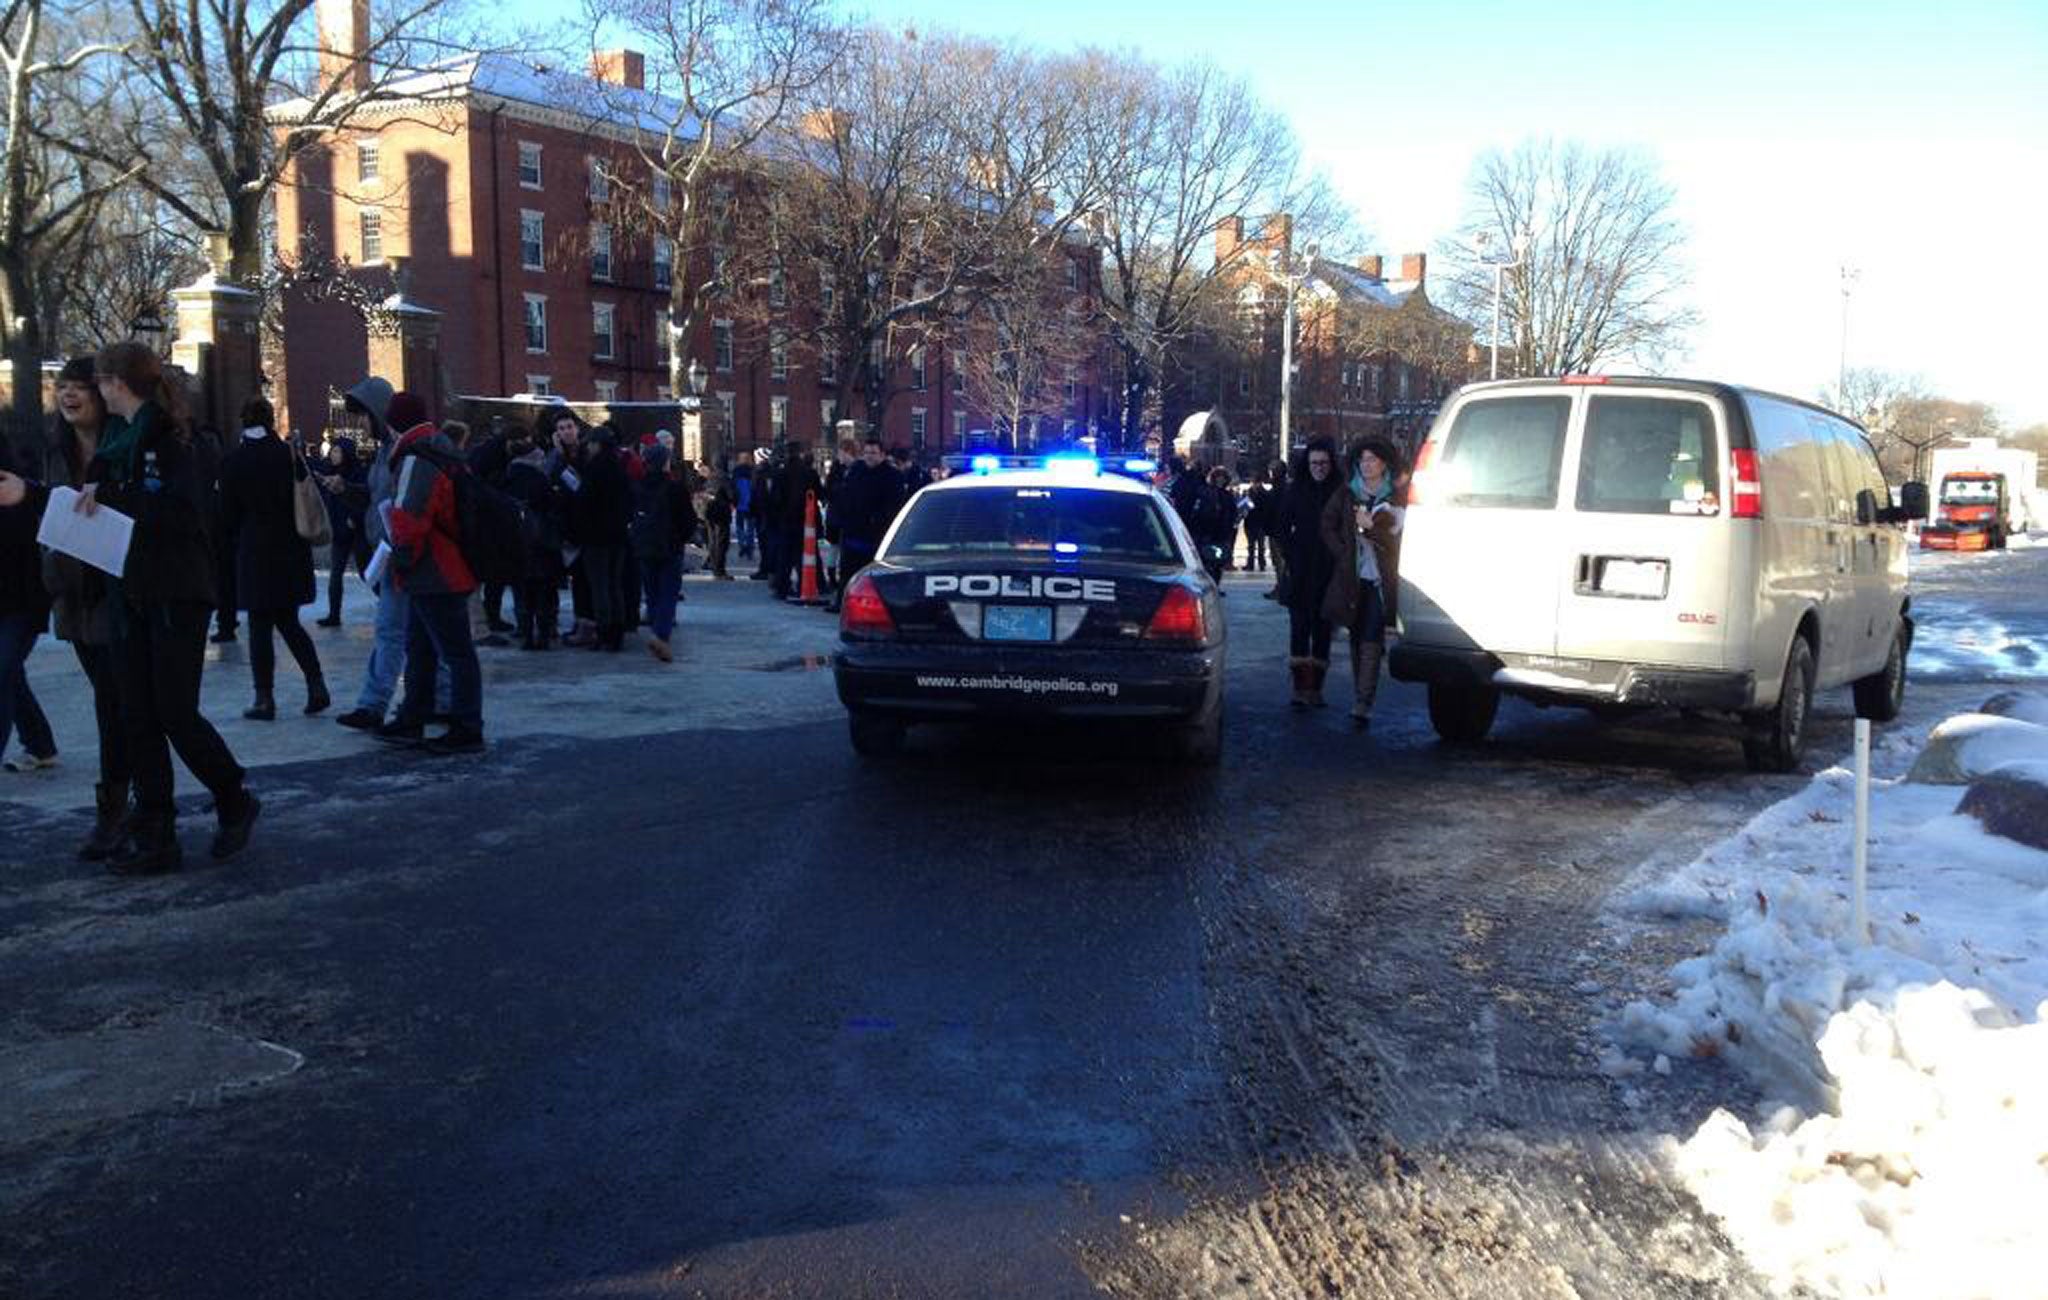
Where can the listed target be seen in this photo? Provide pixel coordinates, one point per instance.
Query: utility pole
(1849, 277)
(1294, 282)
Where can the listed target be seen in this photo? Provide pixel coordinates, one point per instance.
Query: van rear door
(1481, 551)
(1648, 532)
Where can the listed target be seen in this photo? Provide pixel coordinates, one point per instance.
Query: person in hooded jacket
(797, 486)
(273, 564)
(664, 520)
(82, 599)
(371, 399)
(536, 597)
(1362, 530)
(144, 466)
(1309, 566)
(603, 509)
(344, 481)
(719, 508)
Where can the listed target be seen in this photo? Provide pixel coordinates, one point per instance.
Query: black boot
(264, 709)
(152, 848)
(109, 828)
(317, 698)
(237, 818)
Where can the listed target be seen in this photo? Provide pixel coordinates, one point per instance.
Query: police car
(1062, 588)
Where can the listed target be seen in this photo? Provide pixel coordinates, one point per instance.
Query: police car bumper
(1575, 681)
(915, 682)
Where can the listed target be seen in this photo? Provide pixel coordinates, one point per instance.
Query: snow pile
(1917, 1160)
(1970, 745)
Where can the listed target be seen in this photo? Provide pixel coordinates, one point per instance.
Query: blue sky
(1909, 140)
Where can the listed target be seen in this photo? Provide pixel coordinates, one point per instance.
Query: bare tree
(1880, 400)
(47, 193)
(130, 258)
(1023, 351)
(1602, 278)
(726, 75)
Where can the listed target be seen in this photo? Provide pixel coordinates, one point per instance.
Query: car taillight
(1418, 481)
(861, 611)
(1178, 618)
(1746, 492)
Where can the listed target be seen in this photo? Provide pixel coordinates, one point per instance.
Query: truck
(1984, 492)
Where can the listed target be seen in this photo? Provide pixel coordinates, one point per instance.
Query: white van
(1611, 541)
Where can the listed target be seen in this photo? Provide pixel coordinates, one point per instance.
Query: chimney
(1276, 233)
(827, 124)
(1371, 266)
(1229, 235)
(1413, 266)
(344, 27)
(626, 68)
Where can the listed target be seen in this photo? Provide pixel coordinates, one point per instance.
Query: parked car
(1613, 541)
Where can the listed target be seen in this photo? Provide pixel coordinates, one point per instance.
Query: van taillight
(1178, 618)
(861, 611)
(1417, 482)
(1746, 492)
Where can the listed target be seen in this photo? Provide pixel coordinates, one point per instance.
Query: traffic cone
(807, 590)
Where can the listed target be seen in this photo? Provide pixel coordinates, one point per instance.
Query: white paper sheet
(99, 539)
(380, 560)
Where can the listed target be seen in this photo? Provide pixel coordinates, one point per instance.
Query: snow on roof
(503, 78)
(1353, 284)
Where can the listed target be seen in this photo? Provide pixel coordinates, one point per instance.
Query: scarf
(1366, 497)
(119, 439)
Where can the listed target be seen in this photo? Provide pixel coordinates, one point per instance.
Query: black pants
(605, 568)
(1308, 633)
(536, 609)
(159, 653)
(1255, 551)
(718, 541)
(494, 604)
(579, 592)
(224, 578)
(437, 633)
(98, 663)
(263, 651)
(337, 575)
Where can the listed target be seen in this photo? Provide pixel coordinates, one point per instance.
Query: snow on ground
(1912, 1159)
(1955, 639)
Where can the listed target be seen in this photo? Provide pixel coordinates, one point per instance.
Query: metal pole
(1860, 919)
(1494, 373)
(1286, 367)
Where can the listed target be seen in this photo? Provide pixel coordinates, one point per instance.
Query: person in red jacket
(426, 556)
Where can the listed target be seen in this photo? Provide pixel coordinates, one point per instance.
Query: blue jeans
(437, 638)
(661, 580)
(387, 653)
(19, 712)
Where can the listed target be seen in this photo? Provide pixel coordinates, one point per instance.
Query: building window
(532, 240)
(1401, 383)
(1070, 391)
(725, 409)
(664, 324)
(827, 294)
(721, 346)
(529, 165)
(825, 418)
(828, 365)
(366, 160)
(778, 417)
(659, 190)
(540, 385)
(603, 333)
(664, 262)
(878, 356)
(778, 287)
(1244, 383)
(663, 393)
(600, 180)
(960, 427)
(917, 368)
(600, 251)
(1372, 380)
(536, 322)
(958, 379)
(778, 357)
(1073, 274)
(721, 262)
(371, 223)
(917, 427)
(607, 390)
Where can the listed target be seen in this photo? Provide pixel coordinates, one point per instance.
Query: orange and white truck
(1981, 496)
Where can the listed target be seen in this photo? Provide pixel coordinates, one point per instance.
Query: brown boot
(1297, 671)
(1365, 680)
(1318, 669)
(110, 824)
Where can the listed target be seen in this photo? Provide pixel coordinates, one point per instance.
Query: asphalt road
(737, 1013)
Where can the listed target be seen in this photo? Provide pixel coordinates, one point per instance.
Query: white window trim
(540, 245)
(371, 147)
(919, 424)
(731, 346)
(601, 228)
(526, 320)
(610, 312)
(540, 385)
(778, 417)
(778, 359)
(376, 215)
(519, 164)
(600, 179)
(607, 390)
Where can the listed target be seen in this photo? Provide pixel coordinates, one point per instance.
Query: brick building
(1372, 354)
(480, 190)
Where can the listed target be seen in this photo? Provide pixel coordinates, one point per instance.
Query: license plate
(1634, 577)
(1016, 623)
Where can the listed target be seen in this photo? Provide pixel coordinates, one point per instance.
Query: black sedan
(1057, 591)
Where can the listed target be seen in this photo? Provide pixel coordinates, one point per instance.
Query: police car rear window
(1050, 522)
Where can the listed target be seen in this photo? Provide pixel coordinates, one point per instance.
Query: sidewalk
(741, 661)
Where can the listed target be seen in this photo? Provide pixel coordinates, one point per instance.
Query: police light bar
(1066, 464)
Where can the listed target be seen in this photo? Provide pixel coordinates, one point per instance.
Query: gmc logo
(1703, 620)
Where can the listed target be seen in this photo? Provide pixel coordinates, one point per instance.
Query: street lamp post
(148, 328)
(696, 377)
(1519, 246)
(1849, 277)
(1294, 281)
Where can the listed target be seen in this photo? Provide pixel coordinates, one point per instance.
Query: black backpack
(494, 531)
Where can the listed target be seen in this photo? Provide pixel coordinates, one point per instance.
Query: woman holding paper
(1362, 529)
(273, 564)
(144, 468)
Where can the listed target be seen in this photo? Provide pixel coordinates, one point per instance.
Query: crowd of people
(227, 533)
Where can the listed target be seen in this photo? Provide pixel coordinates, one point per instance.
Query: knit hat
(78, 370)
(405, 411)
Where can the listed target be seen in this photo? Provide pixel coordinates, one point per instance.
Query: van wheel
(1462, 715)
(1880, 696)
(1780, 738)
(874, 735)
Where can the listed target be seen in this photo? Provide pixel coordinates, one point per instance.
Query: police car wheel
(873, 735)
(1200, 744)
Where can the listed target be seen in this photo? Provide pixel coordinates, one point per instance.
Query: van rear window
(1504, 452)
(1649, 456)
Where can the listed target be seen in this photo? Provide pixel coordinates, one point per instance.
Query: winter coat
(1340, 539)
(602, 507)
(22, 593)
(1213, 512)
(164, 488)
(426, 532)
(1299, 534)
(718, 510)
(273, 564)
(527, 482)
(664, 518)
(80, 594)
(867, 503)
(1259, 520)
(373, 396)
(796, 481)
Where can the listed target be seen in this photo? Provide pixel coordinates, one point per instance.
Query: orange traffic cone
(807, 590)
